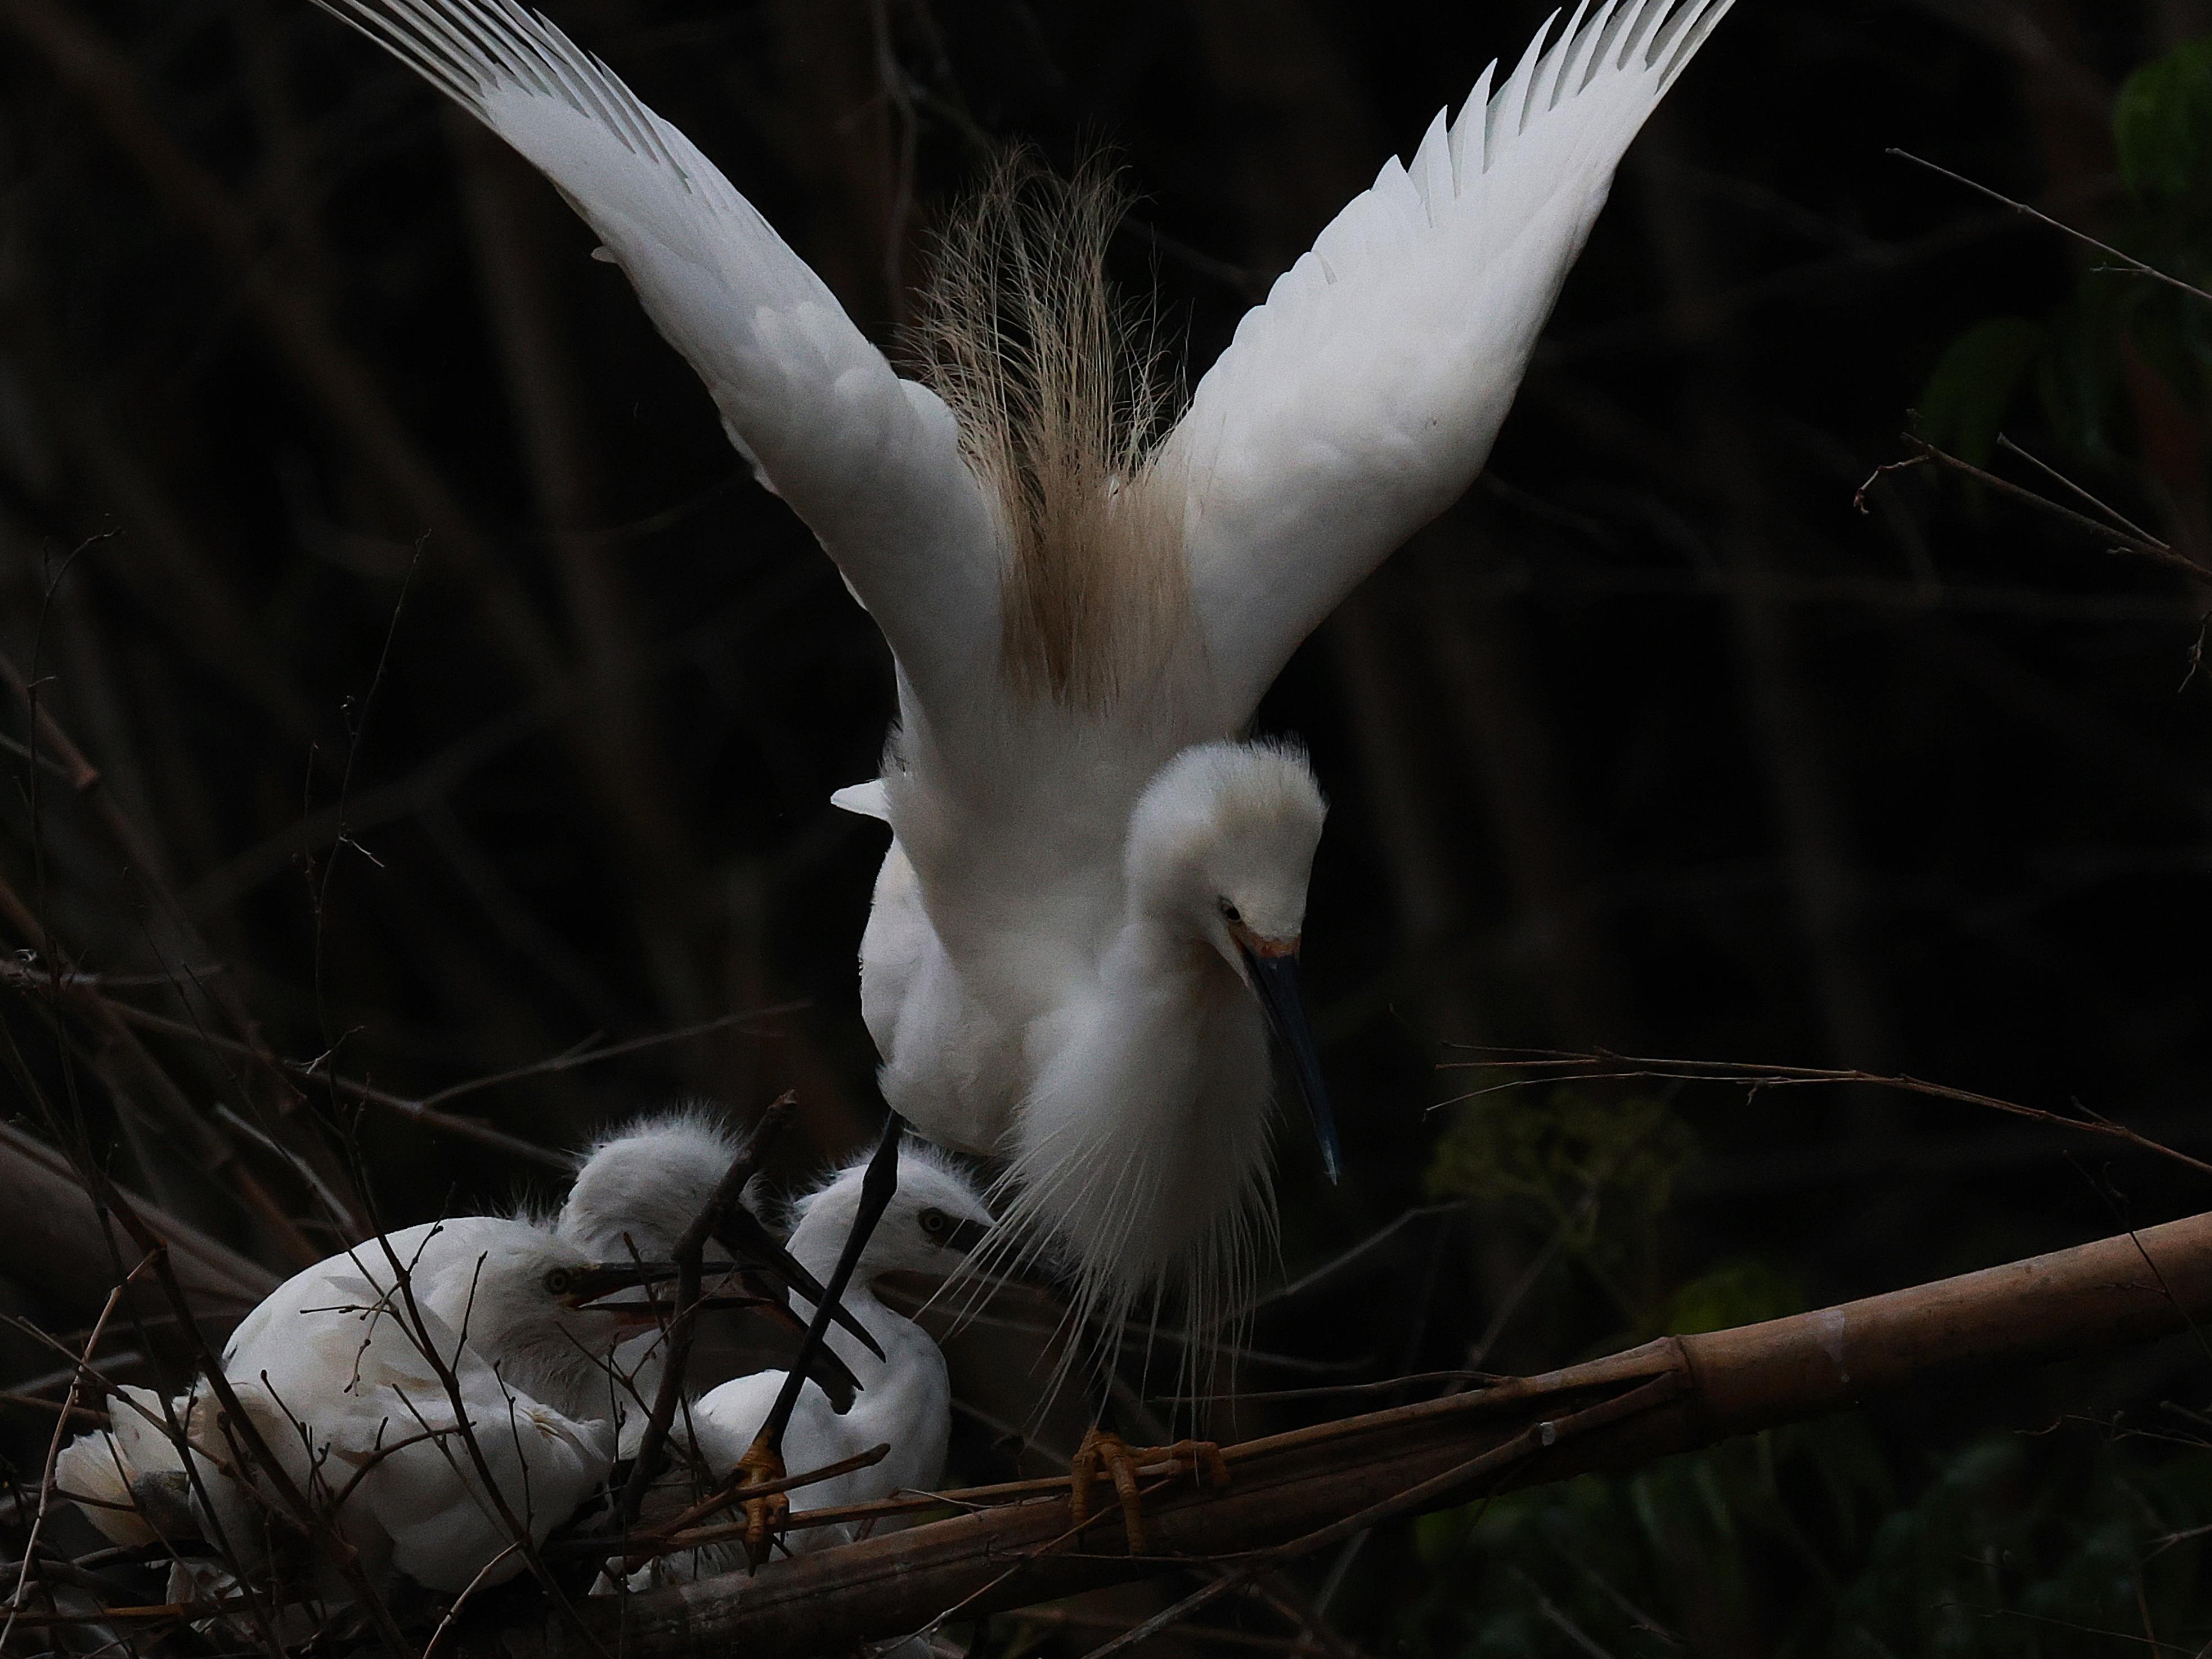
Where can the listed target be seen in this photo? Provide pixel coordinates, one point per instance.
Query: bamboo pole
(1297, 1491)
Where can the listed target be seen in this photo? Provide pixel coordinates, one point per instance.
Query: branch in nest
(1294, 1493)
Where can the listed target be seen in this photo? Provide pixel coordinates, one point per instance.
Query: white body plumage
(332, 1369)
(1071, 613)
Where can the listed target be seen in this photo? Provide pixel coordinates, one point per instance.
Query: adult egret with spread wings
(1090, 915)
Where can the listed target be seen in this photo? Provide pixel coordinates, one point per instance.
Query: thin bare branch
(1539, 1064)
(2117, 540)
(2128, 261)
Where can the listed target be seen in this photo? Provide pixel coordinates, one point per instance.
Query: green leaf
(2162, 125)
(1597, 1172)
(1736, 1293)
(1963, 406)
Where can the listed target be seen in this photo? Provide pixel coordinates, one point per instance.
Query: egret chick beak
(965, 1236)
(590, 1288)
(1273, 966)
(821, 1365)
(584, 1288)
(743, 1233)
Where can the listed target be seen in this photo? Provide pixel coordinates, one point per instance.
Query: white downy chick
(638, 1188)
(906, 1397)
(332, 1369)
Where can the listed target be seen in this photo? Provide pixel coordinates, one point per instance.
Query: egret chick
(334, 1369)
(905, 1400)
(635, 1194)
(639, 1187)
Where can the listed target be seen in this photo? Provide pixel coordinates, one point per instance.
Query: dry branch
(50, 1236)
(1297, 1491)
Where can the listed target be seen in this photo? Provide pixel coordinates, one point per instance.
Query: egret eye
(558, 1281)
(935, 1223)
(1228, 912)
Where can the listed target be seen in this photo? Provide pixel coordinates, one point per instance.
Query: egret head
(546, 1313)
(1220, 848)
(934, 1219)
(639, 1188)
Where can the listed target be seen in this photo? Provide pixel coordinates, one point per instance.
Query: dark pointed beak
(965, 1236)
(743, 1234)
(588, 1285)
(590, 1288)
(595, 1288)
(819, 1362)
(1275, 978)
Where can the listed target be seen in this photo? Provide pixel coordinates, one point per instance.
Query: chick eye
(1228, 912)
(558, 1281)
(935, 1223)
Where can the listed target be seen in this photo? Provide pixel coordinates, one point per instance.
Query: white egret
(1093, 904)
(641, 1185)
(905, 1401)
(335, 1371)
(331, 1368)
(634, 1193)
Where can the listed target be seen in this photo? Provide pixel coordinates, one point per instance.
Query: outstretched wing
(870, 462)
(1362, 397)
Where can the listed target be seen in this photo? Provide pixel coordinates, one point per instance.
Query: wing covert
(1361, 398)
(870, 462)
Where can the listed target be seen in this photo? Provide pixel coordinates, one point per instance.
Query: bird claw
(767, 1515)
(1103, 1452)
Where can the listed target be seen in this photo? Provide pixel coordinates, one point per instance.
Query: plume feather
(1059, 396)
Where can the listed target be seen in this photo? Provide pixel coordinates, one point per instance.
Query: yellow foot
(1105, 1452)
(766, 1515)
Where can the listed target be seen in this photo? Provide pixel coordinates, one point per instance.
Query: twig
(1600, 1064)
(418, 1332)
(1558, 1619)
(1332, 1390)
(2117, 540)
(685, 1534)
(341, 1554)
(53, 1454)
(1319, 1277)
(462, 1600)
(168, 1611)
(78, 986)
(29, 1386)
(142, 860)
(2053, 473)
(69, 1411)
(2128, 261)
(366, 1094)
(55, 970)
(575, 1059)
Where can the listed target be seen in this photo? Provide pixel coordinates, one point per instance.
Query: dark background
(1654, 743)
